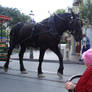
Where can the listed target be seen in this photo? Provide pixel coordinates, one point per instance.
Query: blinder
(75, 25)
(75, 20)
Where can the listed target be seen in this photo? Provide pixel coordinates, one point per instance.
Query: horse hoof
(41, 75)
(24, 72)
(59, 74)
(5, 69)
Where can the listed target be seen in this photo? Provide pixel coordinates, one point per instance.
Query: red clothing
(85, 82)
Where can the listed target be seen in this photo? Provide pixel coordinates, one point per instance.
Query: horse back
(15, 29)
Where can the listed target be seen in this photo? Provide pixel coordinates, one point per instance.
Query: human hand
(69, 85)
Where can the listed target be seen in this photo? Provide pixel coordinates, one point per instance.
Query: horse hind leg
(8, 58)
(21, 53)
(10, 49)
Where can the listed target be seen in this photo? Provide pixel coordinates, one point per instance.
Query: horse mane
(58, 16)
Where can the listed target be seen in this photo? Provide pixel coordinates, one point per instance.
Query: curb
(51, 61)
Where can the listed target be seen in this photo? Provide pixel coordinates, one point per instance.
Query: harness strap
(33, 30)
(51, 23)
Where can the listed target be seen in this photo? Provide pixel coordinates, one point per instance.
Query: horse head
(75, 26)
(70, 22)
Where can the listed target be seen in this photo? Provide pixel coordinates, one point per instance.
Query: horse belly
(46, 40)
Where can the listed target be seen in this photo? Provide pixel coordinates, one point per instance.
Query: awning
(4, 18)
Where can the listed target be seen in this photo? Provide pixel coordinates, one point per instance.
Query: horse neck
(62, 28)
(62, 23)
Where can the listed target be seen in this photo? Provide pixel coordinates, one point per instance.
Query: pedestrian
(85, 44)
(78, 48)
(85, 82)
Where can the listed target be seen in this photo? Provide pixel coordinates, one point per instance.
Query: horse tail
(14, 41)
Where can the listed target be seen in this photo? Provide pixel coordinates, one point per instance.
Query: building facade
(87, 29)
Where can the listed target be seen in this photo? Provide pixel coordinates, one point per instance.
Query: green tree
(15, 14)
(59, 11)
(86, 12)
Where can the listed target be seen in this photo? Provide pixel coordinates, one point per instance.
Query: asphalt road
(14, 81)
(9, 83)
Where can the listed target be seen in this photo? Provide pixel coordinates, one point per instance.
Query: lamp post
(49, 13)
(32, 20)
(32, 16)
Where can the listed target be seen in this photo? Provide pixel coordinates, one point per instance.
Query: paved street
(9, 83)
(14, 81)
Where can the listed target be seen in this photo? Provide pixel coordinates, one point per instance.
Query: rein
(59, 17)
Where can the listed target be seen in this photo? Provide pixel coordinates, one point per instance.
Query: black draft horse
(43, 35)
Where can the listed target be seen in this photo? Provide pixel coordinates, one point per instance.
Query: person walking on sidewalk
(85, 82)
(85, 45)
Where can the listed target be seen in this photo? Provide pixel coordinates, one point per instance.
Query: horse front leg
(21, 54)
(8, 58)
(41, 56)
(56, 50)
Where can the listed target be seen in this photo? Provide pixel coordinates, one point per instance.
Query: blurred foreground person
(85, 82)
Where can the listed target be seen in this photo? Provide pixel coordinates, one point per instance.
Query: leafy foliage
(86, 12)
(59, 11)
(3, 33)
(15, 14)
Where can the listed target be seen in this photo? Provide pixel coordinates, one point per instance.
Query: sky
(40, 8)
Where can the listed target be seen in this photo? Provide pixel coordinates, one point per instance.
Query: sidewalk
(49, 69)
(32, 80)
(14, 80)
(49, 57)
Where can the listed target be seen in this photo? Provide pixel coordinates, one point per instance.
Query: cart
(3, 40)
